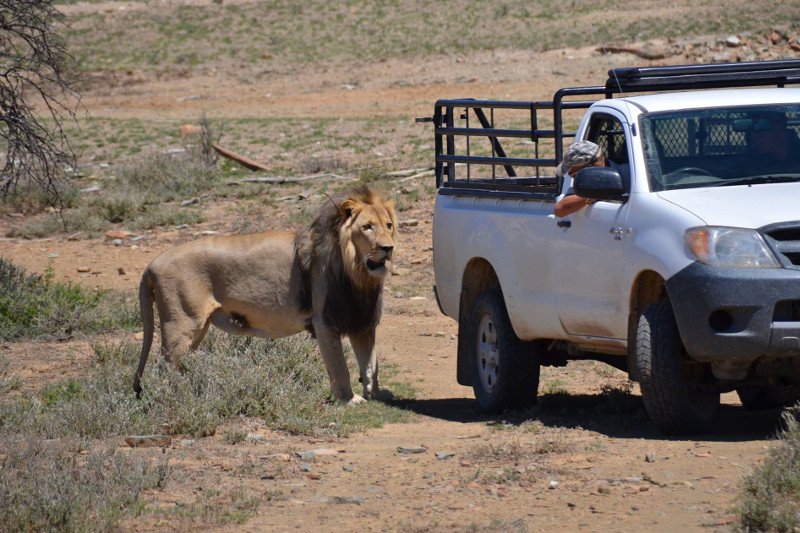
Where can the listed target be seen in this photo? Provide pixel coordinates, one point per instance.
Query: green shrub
(36, 306)
(280, 381)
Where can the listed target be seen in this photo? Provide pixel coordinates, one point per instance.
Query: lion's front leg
(364, 347)
(330, 346)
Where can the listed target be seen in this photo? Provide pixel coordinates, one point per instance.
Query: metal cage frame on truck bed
(620, 81)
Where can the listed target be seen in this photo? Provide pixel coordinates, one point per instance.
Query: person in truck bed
(581, 154)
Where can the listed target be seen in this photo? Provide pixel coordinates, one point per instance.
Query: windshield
(722, 146)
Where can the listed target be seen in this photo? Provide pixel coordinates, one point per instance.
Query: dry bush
(770, 498)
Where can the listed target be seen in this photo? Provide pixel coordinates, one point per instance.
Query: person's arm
(570, 204)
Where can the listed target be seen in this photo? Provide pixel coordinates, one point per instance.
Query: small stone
(208, 232)
(650, 457)
(733, 41)
(186, 130)
(121, 271)
(553, 484)
(52, 256)
(117, 242)
(138, 238)
(84, 269)
(307, 455)
(439, 334)
(139, 336)
(280, 457)
(774, 37)
(444, 455)
(134, 247)
(306, 467)
(409, 223)
(189, 202)
(314, 475)
(319, 452)
(347, 468)
(93, 188)
(603, 489)
(255, 437)
(358, 500)
(404, 450)
(148, 441)
(187, 442)
(118, 234)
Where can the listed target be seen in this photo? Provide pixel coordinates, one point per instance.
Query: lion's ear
(391, 205)
(349, 208)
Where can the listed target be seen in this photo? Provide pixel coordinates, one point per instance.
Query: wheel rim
(488, 354)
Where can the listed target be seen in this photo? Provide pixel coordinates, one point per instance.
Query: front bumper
(731, 317)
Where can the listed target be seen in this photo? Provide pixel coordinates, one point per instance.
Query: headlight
(730, 247)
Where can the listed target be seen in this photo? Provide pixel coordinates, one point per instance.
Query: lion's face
(367, 238)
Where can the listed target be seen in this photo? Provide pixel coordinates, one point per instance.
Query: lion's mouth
(376, 266)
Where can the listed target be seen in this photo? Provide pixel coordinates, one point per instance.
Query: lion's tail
(146, 308)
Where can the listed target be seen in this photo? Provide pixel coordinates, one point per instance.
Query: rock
(52, 256)
(121, 271)
(358, 500)
(444, 455)
(280, 457)
(604, 489)
(208, 232)
(347, 468)
(148, 441)
(139, 336)
(314, 475)
(774, 37)
(255, 437)
(439, 334)
(138, 238)
(117, 242)
(191, 201)
(404, 450)
(650, 457)
(118, 234)
(553, 484)
(408, 223)
(186, 130)
(93, 188)
(306, 467)
(84, 269)
(307, 455)
(187, 442)
(733, 41)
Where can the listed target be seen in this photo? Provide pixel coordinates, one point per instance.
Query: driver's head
(579, 155)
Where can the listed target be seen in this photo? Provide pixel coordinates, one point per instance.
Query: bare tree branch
(37, 96)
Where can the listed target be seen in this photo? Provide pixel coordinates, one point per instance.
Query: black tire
(505, 370)
(675, 405)
(768, 396)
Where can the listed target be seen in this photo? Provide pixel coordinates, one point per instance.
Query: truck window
(722, 146)
(608, 133)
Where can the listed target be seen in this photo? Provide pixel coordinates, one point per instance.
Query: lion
(327, 279)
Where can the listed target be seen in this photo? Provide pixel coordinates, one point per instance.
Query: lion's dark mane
(347, 308)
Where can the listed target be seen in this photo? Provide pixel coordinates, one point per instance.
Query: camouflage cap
(579, 153)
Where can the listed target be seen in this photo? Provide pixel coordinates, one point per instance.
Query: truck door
(589, 248)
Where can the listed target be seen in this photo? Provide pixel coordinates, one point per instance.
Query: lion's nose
(387, 250)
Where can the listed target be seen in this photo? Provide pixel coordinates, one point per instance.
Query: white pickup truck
(684, 273)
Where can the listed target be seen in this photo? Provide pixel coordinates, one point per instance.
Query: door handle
(616, 231)
(564, 223)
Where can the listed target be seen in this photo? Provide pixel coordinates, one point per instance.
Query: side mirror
(599, 183)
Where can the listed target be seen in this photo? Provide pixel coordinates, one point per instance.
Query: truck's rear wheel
(675, 404)
(505, 370)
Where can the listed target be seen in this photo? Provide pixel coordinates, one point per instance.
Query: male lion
(327, 279)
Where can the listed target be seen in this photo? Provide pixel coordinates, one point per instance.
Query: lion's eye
(388, 225)
(366, 227)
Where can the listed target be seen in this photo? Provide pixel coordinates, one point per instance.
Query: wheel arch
(479, 275)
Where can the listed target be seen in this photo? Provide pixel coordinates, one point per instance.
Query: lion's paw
(356, 399)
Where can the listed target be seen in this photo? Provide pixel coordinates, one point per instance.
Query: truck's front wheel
(505, 370)
(675, 403)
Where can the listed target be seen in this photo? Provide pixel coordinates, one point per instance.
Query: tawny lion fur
(327, 279)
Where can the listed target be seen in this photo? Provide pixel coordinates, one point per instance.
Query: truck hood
(740, 206)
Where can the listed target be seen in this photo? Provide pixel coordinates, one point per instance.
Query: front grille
(785, 240)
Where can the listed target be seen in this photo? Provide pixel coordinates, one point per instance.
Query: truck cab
(684, 270)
